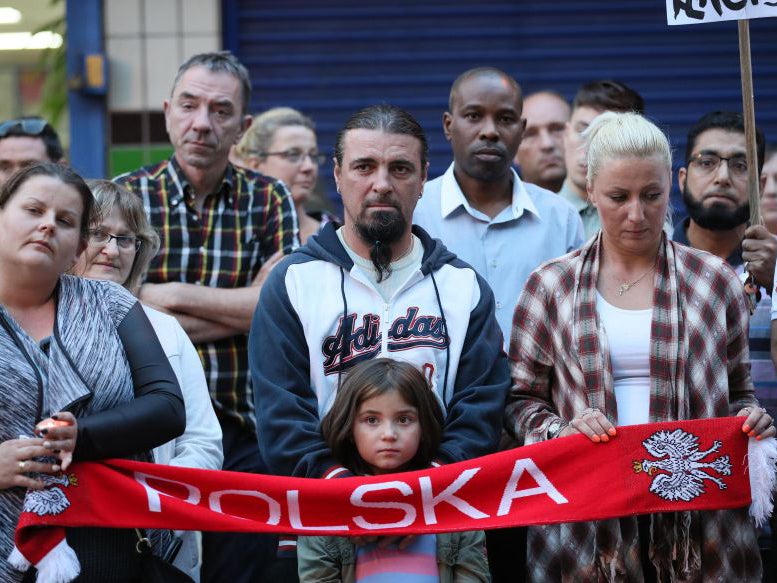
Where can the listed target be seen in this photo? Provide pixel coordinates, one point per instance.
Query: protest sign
(703, 11)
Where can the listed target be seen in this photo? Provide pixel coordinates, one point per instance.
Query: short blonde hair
(624, 135)
(258, 137)
(109, 195)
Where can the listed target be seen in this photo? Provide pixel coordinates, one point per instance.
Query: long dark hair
(371, 379)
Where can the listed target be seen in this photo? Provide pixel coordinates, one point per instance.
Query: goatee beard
(380, 231)
(716, 217)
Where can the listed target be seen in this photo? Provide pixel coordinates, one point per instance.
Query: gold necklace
(625, 286)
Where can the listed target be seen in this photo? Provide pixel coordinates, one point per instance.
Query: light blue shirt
(538, 225)
(588, 213)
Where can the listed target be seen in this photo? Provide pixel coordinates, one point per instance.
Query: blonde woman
(281, 143)
(633, 328)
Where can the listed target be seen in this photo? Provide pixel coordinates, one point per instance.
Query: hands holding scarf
(759, 423)
(595, 426)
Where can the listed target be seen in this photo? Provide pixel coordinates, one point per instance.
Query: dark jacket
(319, 315)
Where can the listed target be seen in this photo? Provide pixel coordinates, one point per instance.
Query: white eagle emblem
(52, 499)
(681, 473)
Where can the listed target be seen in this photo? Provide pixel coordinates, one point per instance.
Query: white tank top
(628, 334)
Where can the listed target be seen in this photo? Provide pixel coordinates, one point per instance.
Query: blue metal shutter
(329, 59)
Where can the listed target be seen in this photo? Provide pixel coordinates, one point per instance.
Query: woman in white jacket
(121, 245)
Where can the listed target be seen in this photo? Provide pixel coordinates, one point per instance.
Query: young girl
(385, 419)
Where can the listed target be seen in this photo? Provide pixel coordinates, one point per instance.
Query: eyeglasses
(709, 162)
(297, 156)
(24, 127)
(123, 242)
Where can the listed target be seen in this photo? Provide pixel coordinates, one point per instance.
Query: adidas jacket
(318, 315)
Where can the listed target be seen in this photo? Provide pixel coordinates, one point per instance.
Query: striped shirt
(243, 223)
(417, 563)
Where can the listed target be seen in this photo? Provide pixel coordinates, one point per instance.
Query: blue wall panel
(88, 128)
(329, 59)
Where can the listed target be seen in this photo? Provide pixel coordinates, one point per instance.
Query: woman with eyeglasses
(121, 245)
(83, 375)
(281, 143)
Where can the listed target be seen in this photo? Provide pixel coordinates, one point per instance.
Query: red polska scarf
(659, 467)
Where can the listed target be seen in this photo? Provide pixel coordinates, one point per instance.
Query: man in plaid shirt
(222, 229)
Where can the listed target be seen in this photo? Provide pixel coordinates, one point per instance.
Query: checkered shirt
(243, 223)
(699, 368)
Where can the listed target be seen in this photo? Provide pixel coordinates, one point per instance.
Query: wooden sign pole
(753, 194)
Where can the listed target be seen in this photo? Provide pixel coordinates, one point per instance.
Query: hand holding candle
(59, 432)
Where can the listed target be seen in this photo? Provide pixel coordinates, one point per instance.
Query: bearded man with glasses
(713, 184)
(26, 141)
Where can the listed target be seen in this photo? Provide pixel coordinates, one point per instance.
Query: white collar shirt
(536, 226)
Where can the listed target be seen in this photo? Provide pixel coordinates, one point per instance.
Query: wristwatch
(556, 427)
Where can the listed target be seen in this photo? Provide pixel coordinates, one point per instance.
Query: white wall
(146, 41)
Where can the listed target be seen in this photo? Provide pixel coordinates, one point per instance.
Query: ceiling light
(9, 15)
(17, 41)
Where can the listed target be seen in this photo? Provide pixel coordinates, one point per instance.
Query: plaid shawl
(699, 368)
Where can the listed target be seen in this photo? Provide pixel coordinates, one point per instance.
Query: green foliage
(53, 65)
